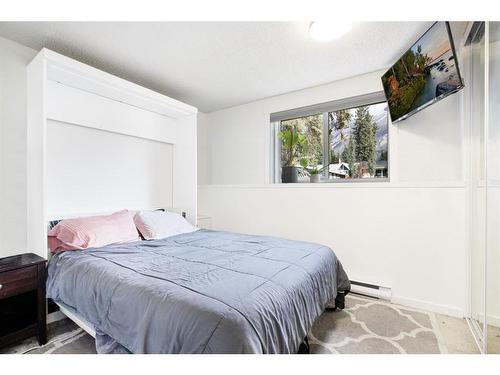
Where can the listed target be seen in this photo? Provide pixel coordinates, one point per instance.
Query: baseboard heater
(371, 290)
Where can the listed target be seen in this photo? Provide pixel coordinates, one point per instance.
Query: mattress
(201, 292)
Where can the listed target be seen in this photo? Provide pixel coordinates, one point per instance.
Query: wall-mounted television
(426, 73)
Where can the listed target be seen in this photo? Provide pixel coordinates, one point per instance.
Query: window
(345, 140)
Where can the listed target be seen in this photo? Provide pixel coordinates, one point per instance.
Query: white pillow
(154, 225)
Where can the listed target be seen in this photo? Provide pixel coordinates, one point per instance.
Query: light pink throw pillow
(95, 231)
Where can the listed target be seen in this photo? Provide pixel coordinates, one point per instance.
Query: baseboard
(494, 320)
(428, 306)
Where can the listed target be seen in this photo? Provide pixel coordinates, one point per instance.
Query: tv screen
(426, 73)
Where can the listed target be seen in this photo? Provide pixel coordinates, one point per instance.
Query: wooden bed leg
(340, 300)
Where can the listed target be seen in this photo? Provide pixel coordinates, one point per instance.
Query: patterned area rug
(365, 326)
(375, 327)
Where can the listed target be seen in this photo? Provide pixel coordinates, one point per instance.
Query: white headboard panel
(91, 170)
(98, 143)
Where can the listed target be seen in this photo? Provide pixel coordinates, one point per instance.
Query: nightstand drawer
(18, 281)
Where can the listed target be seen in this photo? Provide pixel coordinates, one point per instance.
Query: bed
(200, 292)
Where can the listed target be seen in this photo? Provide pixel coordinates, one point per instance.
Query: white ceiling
(215, 65)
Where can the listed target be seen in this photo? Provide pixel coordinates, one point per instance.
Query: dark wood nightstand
(23, 306)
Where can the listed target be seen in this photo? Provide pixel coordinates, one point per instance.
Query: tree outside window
(356, 147)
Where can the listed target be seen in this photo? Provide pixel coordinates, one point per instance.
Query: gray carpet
(365, 326)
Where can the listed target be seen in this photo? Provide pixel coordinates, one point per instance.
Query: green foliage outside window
(306, 132)
(352, 142)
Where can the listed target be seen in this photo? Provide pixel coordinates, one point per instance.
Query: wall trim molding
(429, 306)
(343, 185)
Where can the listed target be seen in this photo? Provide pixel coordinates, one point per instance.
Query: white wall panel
(75, 106)
(408, 234)
(411, 239)
(185, 168)
(203, 145)
(91, 170)
(430, 143)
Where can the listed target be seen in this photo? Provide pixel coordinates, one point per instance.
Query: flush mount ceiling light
(324, 31)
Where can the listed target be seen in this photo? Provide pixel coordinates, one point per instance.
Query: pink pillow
(95, 231)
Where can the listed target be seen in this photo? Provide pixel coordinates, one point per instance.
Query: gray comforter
(202, 292)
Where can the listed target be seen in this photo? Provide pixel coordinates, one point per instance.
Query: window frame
(324, 108)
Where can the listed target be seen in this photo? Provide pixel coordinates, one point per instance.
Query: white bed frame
(79, 321)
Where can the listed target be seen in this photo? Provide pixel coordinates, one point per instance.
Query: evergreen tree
(349, 156)
(383, 155)
(334, 157)
(365, 136)
(339, 120)
(312, 126)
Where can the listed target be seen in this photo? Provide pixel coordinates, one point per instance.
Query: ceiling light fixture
(324, 31)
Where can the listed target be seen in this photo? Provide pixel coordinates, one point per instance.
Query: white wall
(13, 60)
(415, 224)
(408, 234)
(410, 239)
(203, 152)
(433, 149)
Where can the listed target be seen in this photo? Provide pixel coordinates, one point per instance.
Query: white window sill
(342, 185)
